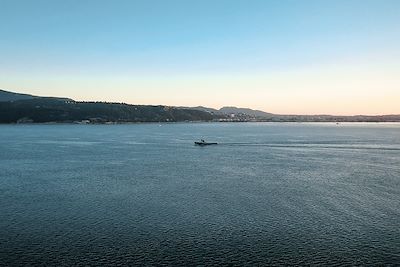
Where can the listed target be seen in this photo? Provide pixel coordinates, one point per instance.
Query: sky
(283, 56)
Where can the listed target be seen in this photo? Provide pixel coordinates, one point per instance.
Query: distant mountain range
(22, 108)
(25, 108)
(234, 110)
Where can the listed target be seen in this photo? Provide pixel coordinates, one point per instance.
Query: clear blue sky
(283, 56)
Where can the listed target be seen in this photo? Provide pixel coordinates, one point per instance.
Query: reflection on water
(269, 193)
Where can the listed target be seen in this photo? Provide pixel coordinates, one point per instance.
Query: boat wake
(314, 146)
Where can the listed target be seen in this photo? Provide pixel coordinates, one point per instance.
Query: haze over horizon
(284, 57)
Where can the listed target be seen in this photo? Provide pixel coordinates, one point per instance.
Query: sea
(269, 194)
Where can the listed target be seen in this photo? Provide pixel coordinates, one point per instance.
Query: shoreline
(204, 122)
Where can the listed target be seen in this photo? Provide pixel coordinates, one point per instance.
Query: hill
(235, 111)
(11, 96)
(245, 111)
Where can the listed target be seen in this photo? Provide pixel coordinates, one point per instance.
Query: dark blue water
(268, 194)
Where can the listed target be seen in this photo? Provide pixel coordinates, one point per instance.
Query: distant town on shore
(24, 108)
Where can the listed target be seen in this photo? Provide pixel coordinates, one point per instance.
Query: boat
(204, 143)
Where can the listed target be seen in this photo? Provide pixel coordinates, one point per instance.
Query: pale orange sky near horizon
(320, 90)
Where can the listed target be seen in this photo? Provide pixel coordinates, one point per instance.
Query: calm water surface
(268, 194)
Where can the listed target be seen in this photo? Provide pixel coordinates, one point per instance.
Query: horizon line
(211, 107)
